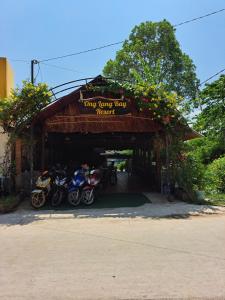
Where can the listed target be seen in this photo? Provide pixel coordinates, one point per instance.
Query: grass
(215, 199)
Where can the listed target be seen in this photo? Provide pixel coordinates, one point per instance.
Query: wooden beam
(18, 156)
(43, 150)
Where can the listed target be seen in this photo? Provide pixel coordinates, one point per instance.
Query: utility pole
(33, 62)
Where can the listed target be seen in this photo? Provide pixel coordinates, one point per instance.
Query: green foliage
(7, 200)
(155, 99)
(8, 203)
(128, 152)
(211, 121)
(215, 176)
(210, 150)
(188, 173)
(153, 54)
(17, 111)
(215, 198)
(121, 165)
(205, 149)
(184, 170)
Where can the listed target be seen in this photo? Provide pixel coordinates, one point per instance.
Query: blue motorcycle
(75, 187)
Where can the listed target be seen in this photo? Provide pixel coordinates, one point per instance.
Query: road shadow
(118, 205)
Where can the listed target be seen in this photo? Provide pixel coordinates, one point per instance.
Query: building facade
(6, 84)
(75, 127)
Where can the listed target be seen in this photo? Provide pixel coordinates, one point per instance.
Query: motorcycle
(60, 185)
(89, 189)
(75, 187)
(42, 190)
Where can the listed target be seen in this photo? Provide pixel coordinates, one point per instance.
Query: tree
(215, 176)
(211, 121)
(152, 47)
(18, 111)
(205, 149)
(210, 149)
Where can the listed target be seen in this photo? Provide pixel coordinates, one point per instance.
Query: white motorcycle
(42, 190)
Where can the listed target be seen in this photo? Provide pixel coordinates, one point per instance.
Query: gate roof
(68, 114)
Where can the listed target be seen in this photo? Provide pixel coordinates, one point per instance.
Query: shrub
(189, 175)
(8, 203)
(214, 179)
(206, 149)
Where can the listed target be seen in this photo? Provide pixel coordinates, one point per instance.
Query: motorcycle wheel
(38, 199)
(57, 198)
(88, 197)
(74, 198)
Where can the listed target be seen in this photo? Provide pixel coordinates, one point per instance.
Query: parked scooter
(60, 185)
(75, 187)
(89, 189)
(43, 187)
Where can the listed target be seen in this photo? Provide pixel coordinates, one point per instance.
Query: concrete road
(113, 258)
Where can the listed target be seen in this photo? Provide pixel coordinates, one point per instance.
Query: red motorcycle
(89, 190)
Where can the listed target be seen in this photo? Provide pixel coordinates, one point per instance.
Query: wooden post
(18, 164)
(18, 156)
(43, 150)
(157, 150)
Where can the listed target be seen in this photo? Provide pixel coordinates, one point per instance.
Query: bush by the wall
(214, 179)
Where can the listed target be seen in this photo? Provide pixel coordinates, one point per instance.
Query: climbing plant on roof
(149, 96)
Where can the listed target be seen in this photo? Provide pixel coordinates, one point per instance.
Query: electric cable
(214, 75)
(198, 18)
(117, 43)
(81, 52)
(59, 67)
(19, 60)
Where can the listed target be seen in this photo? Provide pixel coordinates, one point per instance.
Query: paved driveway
(147, 205)
(70, 256)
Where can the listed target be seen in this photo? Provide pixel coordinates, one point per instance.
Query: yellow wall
(6, 84)
(6, 78)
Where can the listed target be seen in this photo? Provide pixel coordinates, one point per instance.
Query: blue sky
(45, 28)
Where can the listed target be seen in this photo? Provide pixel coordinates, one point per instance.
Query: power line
(81, 52)
(117, 43)
(20, 60)
(59, 67)
(198, 18)
(221, 71)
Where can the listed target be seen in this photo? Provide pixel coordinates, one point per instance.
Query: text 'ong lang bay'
(105, 107)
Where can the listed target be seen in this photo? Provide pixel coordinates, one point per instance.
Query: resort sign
(103, 106)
